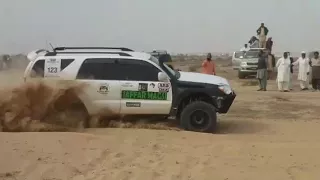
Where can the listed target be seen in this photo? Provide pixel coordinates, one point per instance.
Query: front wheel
(199, 116)
(241, 75)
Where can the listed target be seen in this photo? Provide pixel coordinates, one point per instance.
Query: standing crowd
(268, 68)
(307, 68)
(284, 66)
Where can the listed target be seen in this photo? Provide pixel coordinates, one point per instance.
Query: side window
(137, 70)
(38, 69)
(65, 63)
(99, 69)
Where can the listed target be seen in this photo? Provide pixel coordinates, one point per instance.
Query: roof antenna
(51, 46)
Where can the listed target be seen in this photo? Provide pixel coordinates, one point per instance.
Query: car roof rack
(55, 53)
(95, 48)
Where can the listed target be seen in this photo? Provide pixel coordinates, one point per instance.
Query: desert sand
(265, 135)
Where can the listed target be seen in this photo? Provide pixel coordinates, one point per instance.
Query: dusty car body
(236, 59)
(249, 63)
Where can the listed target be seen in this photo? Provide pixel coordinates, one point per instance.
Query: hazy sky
(174, 25)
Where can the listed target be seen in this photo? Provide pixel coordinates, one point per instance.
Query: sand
(266, 135)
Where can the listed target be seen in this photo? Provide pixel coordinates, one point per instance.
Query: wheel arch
(188, 97)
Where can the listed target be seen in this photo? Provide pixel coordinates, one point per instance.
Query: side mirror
(163, 77)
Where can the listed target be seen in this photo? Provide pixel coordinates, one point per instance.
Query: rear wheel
(199, 116)
(71, 117)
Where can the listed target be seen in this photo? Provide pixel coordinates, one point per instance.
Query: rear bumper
(225, 103)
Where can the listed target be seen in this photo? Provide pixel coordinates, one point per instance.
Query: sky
(179, 26)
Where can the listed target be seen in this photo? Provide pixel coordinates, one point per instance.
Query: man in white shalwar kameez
(283, 66)
(304, 69)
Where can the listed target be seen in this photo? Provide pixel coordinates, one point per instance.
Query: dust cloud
(55, 106)
(39, 106)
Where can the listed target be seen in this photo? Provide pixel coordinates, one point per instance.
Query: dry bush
(250, 83)
(194, 68)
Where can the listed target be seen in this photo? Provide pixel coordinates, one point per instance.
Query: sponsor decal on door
(103, 89)
(164, 87)
(126, 94)
(143, 87)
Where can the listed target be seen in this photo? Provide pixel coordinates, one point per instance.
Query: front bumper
(248, 69)
(224, 103)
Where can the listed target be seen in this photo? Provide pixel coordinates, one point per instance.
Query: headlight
(243, 64)
(225, 88)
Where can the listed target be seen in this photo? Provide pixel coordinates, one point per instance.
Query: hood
(202, 78)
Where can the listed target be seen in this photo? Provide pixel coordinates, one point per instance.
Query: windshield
(252, 54)
(238, 54)
(155, 60)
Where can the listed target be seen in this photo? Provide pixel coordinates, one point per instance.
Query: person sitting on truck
(254, 42)
(269, 44)
(245, 48)
(208, 66)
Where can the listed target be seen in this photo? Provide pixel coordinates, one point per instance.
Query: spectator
(283, 65)
(245, 48)
(262, 73)
(271, 65)
(315, 64)
(269, 44)
(254, 42)
(291, 70)
(208, 66)
(262, 32)
(304, 70)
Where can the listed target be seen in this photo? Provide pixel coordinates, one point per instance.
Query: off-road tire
(72, 117)
(208, 109)
(241, 75)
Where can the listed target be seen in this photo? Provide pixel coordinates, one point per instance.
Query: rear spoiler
(36, 53)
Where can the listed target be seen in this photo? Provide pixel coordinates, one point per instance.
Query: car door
(102, 89)
(141, 92)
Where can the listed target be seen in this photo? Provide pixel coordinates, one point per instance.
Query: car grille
(252, 68)
(252, 64)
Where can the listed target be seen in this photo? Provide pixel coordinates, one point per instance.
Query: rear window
(100, 69)
(38, 67)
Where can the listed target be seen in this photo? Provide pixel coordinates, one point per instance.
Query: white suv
(136, 83)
